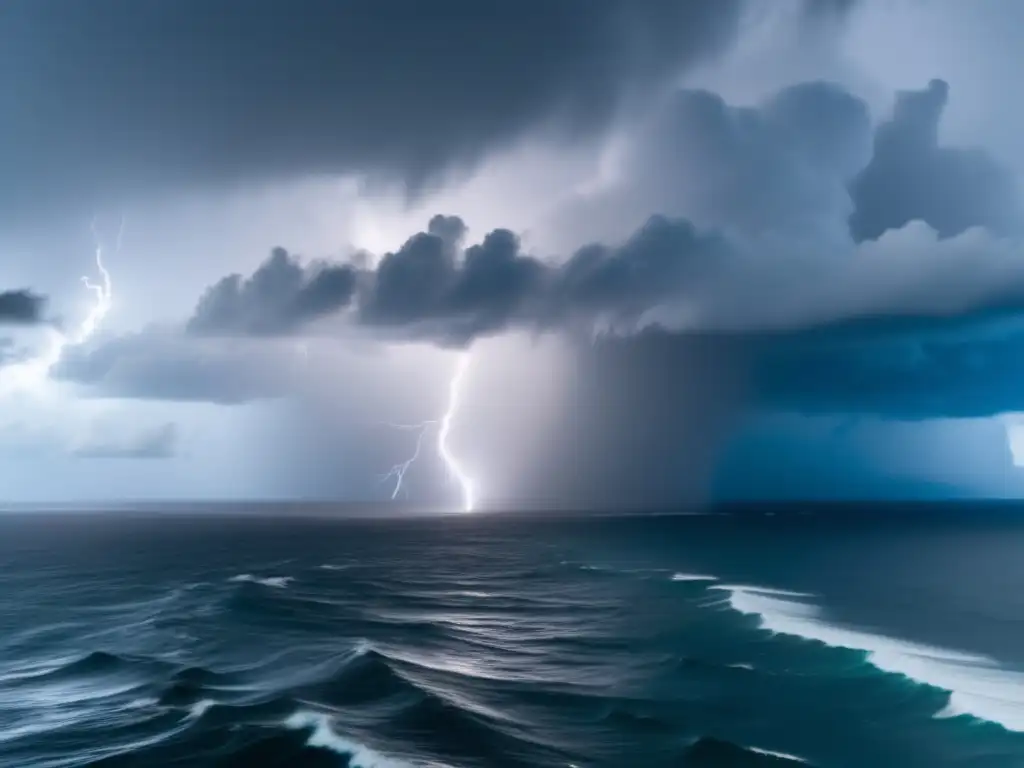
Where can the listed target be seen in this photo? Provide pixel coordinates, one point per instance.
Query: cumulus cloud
(157, 442)
(912, 177)
(280, 297)
(120, 98)
(782, 166)
(21, 307)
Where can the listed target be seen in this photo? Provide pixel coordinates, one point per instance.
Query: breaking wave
(978, 687)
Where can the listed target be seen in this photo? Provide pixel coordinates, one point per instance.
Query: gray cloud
(912, 177)
(21, 307)
(780, 166)
(159, 442)
(435, 289)
(432, 288)
(118, 98)
(779, 295)
(163, 365)
(280, 297)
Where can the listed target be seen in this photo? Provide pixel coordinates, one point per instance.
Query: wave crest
(978, 687)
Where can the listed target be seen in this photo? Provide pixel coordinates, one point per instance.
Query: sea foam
(977, 686)
(278, 582)
(323, 736)
(693, 577)
(779, 755)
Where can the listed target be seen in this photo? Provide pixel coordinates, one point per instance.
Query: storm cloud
(116, 98)
(280, 297)
(911, 177)
(811, 315)
(21, 307)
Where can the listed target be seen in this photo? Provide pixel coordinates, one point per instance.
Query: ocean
(755, 638)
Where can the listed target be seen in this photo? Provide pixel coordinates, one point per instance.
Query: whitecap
(198, 709)
(693, 577)
(751, 588)
(779, 755)
(977, 686)
(359, 755)
(278, 582)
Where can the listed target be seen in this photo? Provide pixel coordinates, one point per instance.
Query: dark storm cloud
(113, 98)
(912, 177)
(967, 366)
(280, 297)
(905, 368)
(772, 247)
(435, 289)
(21, 307)
(787, 298)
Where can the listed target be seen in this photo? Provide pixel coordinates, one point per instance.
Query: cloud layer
(777, 201)
(773, 260)
(120, 98)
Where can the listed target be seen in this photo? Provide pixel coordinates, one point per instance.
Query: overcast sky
(680, 249)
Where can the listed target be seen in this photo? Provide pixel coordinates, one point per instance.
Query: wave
(322, 735)
(82, 675)
(278, 582)
(978, 687)
(707, 752)
(779, 755)
(754, 589)
(693, 577)
(200, 708)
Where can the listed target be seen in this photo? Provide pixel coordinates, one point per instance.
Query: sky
(632, 253)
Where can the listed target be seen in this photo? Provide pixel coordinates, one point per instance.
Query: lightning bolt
(31, 374)
(456, 471)
(398, 471)
(455, 468)
(103, 291)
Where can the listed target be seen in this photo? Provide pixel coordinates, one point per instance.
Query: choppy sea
(759, 639)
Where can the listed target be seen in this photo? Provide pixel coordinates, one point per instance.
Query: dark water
(503, 641)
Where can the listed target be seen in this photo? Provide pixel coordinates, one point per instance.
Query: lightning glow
(30, 375)
(455, 469)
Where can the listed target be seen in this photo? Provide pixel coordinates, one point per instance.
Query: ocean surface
(756, 639)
